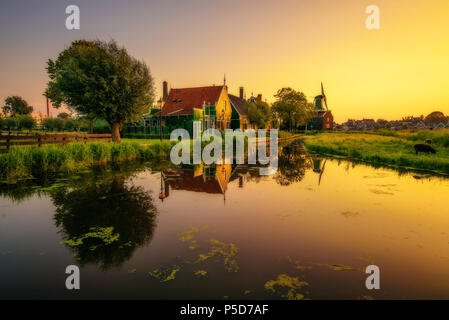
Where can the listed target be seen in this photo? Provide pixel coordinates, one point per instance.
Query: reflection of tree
(292, 165)
(87, 212)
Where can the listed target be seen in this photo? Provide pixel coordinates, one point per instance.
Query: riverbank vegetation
(27, 162)
(392, 148)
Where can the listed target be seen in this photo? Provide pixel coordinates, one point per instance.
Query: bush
(49, 124)
(26, 122)
(69, 124)
(11, 123)
(59, 124)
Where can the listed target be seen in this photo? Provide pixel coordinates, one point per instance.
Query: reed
(31, 162)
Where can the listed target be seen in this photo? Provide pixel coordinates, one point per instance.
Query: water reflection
(318, 167)
(104, 222)
(293, 163)
(275, 237)
(214, 179)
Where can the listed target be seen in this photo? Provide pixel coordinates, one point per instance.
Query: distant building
(322, 119)
(38, 116)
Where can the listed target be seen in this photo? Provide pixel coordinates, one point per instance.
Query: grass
(394, 149)
(145, 142)
(27, 162)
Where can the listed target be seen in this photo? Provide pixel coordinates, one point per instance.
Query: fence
(26, 140)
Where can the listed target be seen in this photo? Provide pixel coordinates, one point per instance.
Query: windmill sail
(324, 96)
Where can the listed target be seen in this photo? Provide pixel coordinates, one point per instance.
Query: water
(153, 231)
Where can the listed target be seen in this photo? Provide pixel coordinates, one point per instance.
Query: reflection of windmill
(318, 167)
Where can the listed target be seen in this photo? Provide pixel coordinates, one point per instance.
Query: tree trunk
(115, 127)
(91, 126)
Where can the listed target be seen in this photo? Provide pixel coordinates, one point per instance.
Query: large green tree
(101, 80)
(259, 113)
(15, 105)
(292, 108)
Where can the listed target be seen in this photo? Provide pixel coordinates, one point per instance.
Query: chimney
(164, 91)
(259, 97)
(48, 108)
(241, 93)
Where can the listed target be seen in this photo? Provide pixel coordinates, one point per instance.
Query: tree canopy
(101, 80)
(436, 117)
(15, 105)
(259, 113)
(292, 108)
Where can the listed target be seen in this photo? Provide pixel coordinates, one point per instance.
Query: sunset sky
(401, 69)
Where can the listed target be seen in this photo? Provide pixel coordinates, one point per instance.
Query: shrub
(26, 122)
(11, 123)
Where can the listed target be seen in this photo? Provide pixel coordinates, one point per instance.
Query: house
(208, 106)
(239, 116)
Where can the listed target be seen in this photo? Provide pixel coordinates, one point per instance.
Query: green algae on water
(107, 235)
(164, 274)
(286, 286)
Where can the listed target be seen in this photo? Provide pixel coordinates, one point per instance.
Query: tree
(63, 115)
(27, 122)
(49, 123)
(101, 80)
(58, 124)
(15, 105)
(11, 123)
(435, 117)
(259, 113)
(292, 108)
(69, 124)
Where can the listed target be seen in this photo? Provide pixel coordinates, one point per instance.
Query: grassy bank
(27, 162)
(392, 150)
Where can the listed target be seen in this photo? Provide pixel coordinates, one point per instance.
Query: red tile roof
(182, 101)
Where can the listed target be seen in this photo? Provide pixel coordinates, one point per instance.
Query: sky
(399, 70)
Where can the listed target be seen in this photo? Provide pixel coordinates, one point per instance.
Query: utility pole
(160, 119)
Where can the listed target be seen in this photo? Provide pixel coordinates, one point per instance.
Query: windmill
(324, 96)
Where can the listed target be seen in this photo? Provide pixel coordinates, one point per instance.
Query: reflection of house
(207, 179)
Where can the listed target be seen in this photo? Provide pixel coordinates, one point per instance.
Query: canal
(158, 231)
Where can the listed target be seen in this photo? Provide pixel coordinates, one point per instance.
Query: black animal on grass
(421, 147)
